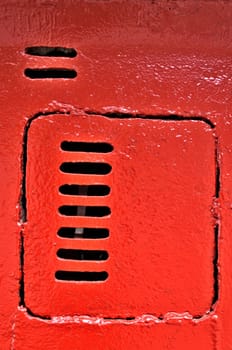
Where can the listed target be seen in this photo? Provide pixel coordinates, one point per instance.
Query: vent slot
(77, 254)
(87, 211)
(51, 51)
(91, 211)
(80, 190)
(86, 168)
(83, 233)
(50, 73)
(95, 147)
(81, 276)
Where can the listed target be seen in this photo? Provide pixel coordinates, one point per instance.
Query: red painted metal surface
(162, 179)
(168, 62)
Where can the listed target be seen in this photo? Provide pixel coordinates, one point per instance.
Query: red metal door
(115, 156)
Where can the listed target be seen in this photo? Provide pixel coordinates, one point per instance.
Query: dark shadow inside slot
(91, 211)
(50, 73)
(86, 168)
(51, 51)
(96, 147)
(78, 254)
(82, 276)
(85, 190)
(83, 233)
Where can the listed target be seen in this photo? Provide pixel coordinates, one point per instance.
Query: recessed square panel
(119, 220)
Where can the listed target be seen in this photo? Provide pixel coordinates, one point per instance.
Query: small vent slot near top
(96, 147)
(50, 73)
(51, 51)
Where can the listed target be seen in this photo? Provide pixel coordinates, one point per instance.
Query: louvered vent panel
(76, 193)
(101, 196)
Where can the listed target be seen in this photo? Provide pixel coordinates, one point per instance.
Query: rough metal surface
(160, 256)
(154, 59)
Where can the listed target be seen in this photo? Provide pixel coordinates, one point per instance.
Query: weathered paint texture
(152, 79)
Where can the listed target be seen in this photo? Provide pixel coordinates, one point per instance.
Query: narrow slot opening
(77, 254)
(91, 211)
(83, 232)
(81, 276)
(85, 168)
(95, 147)
(51, 51)
(85, 190)
(50, 73)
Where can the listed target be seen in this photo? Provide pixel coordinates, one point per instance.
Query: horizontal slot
(86, 168)
(96, 147)
(85, 276)
(85, 190)
(77, 254)
(51, 51)
(91, 211)
(50, 73)
(83, 232)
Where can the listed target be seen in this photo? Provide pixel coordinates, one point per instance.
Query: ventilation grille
(51, 72)
(89, 193)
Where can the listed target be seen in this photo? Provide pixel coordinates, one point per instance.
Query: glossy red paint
(168, 62)
(162, 178)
